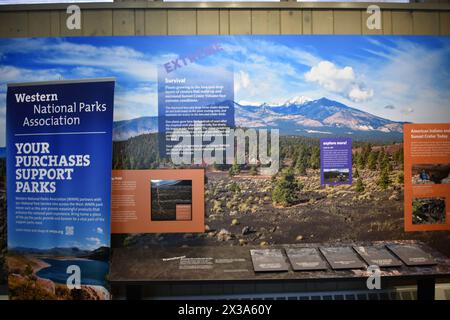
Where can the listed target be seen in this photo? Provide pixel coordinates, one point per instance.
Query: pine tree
(300, 167)
(359, 185)
(253, 171)
(400, 178)
(285, 188)
(234, 187)
(399, 158)
(385, 163)
(234, 169)
(384, 180)
(355, 157)
(380, 158)
(365, 154)
(314, 160)
(372, 160)
(356, 175)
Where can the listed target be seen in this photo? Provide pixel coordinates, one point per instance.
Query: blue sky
(395, 77)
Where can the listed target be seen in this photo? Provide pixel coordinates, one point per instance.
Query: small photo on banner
(335, 161)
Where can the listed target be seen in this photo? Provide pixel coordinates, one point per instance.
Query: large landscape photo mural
(308, 87)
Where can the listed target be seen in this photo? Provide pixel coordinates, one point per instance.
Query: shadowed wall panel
(123, 22)
(182, 22)
(97, 23)
(347, 22)
(444, 19)
(402, 22)
(240, 22)
(265, 21)
(387, 22)
(156, 22)
(14, 24)
(322, 22)
(55, 24)
(208, 22)
(224, 22)
(307, 21)
(425, 23)
(141, 20)
(291, 22)
(39, 24)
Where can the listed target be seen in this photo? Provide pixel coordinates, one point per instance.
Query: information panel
(59, 145)
(427, 177)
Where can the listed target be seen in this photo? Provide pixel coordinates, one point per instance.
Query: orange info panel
(158, 201)
(427, 177)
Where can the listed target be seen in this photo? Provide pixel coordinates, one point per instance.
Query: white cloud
(329, 76)
(418, 88)
(249, 103)
(109, 60)
(359, 95)
(339, 80)
(275, 50)
(99, 230)
(14, 74)
(241, 81)
(95, 241)
(86, 72)
(131, 103)
(407, 110)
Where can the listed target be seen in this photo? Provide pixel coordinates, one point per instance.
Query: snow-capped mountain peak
(300, 113)
(301, 117)
(297, 100)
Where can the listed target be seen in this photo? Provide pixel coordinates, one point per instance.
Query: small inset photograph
(171, 200)
(336, 175)
(428, 210)
(431, 174)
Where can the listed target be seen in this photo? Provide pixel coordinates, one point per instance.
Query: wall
(130, 17)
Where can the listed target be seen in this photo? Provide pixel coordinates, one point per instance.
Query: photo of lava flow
(167, 195)
(428, 210)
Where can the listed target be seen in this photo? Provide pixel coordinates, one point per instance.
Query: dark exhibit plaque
(162, 264)
(342, 258)
(303, 259)
(267, 260)
(378, 256)
(412, 254)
